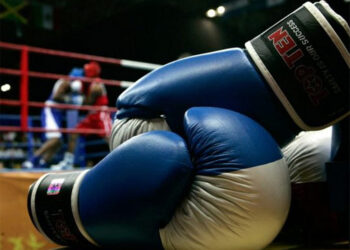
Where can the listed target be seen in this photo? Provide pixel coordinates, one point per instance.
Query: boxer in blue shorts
(51, 119)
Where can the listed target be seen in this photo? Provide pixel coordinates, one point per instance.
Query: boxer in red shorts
(95, 119)
(97, 96)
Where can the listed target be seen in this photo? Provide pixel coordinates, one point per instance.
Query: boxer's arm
(61, 91)
(95, 91)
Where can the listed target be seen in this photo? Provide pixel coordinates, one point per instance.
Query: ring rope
(59, 106)
(24, 73)
(59, 76)
(123, 62)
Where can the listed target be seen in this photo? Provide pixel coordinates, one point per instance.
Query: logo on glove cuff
(55, 186)
(284, 45)
(311, 79)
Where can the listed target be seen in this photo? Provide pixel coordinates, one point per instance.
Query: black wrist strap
(53, 208)
(305, 61)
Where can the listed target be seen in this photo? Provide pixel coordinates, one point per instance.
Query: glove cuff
(305, 61)
(53, 208)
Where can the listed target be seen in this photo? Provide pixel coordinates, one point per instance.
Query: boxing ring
(16, 229)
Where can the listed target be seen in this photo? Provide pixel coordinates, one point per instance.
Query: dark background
(155, 31)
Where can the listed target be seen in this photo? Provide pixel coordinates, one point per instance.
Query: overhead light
(5, 87)
(211, 13)
(220, 10)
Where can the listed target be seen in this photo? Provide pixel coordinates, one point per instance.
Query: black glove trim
(53, 208)
(305, 62)
(31, 206)
(322, 20)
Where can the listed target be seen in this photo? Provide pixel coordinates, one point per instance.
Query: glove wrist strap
(53, 208)
(305, 61)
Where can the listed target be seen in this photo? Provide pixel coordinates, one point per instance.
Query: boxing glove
(76, 86)
(307, 154)
(236, 195)
(123, 200)
(292, 77)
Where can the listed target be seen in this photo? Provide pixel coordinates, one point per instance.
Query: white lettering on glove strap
(297, 32)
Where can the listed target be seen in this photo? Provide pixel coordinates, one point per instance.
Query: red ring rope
(25, 73)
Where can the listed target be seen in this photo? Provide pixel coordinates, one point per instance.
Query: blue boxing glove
(76, 90)
(292, 77)
(124, 199)
(226, 187)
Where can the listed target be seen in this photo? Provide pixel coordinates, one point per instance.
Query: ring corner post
(24, 64)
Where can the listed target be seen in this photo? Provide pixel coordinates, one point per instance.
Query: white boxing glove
(307, 154)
